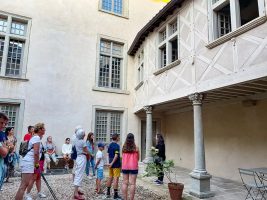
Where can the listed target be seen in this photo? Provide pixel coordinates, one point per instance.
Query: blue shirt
(3, 136)
(114, 149)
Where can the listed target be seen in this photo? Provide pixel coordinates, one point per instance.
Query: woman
(50, 149)
(30, 161)
(91, 148)
(66, 151)
(37, 177)
(161, 157)
(82, 156)
(130, 157)
(12, 157)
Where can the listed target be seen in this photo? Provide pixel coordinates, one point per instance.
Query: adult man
(28, 136)
(4, 147)
(114, 165)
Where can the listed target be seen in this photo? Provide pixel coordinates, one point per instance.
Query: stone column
(200, 186)
(149, 138)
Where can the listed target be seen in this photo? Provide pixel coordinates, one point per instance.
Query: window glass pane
(163, 56)
(224, 20)
(104, 71)
(249, 10)
(14, 58)
(115, 123)
(107, 5)
(118, 6)
(105, 46)
(2, 42)
(11, 112)
(174, 48)
(173, 28)
(18, 28)
(116, 73)
(101, 126)
(162, 35)
(3, 24)
(117, 49)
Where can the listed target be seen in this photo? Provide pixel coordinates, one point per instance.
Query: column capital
(148, 109)
(196, 98)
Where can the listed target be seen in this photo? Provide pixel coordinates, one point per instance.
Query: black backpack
(23, 148)
(73, 155)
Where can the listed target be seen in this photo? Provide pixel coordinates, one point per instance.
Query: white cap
(78, 127)
(80, 133)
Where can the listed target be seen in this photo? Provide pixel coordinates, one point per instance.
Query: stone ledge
(167, 67)
(254, 23)
(14, 78)
(117, 91)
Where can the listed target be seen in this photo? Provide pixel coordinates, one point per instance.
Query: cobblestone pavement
(62, 186)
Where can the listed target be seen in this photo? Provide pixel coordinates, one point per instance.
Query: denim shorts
(100, 173)
(133, 172)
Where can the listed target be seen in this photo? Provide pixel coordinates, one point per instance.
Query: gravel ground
(62, 186)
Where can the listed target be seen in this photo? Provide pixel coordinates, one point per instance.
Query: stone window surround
(19, 120)
(25, 38)
(123, 89)
(166, 25)
(125, 9)
(236, 30)
(140, 81)
(124, 118)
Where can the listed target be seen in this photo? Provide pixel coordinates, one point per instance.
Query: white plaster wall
(235, 136)
(201, 69)
(62, 62)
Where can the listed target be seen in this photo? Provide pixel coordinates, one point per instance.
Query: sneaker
(90, 177)
(28, 197)
(159, 182)
(41, 195)
(108, 196)
(118, 197)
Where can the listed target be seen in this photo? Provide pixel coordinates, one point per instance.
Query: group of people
(87, 157)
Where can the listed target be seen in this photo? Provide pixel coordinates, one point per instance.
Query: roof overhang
(153, 23)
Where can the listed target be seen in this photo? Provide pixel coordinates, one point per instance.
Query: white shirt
(29, 157)
(66, 148)
(99, 155)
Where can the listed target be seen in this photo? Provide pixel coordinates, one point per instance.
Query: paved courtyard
(62, 185)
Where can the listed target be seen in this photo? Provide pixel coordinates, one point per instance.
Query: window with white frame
(107, 123)
(112, 6)
(140, 68)
(168, 44)
(13, 41)
(228, 15)
(12, 112)
(110, 64)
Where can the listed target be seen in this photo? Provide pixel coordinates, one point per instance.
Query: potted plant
(154, 169)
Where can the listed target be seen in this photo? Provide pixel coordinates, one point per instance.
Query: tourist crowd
(81, 148)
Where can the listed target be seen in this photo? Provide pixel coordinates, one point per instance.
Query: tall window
(113, 6)
(106, 124)
(11, 111)
(141, 66)
(110, 64)
(13, 39)
(168, 44)
(231, 14)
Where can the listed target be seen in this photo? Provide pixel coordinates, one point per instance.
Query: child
(114, 166)
(99, 166)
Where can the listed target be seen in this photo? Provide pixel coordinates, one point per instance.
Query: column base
(148, 160)
(200, 184)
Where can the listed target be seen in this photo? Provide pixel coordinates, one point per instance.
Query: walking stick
(48, 186)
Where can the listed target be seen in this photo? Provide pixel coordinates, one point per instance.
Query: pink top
(130, 161)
